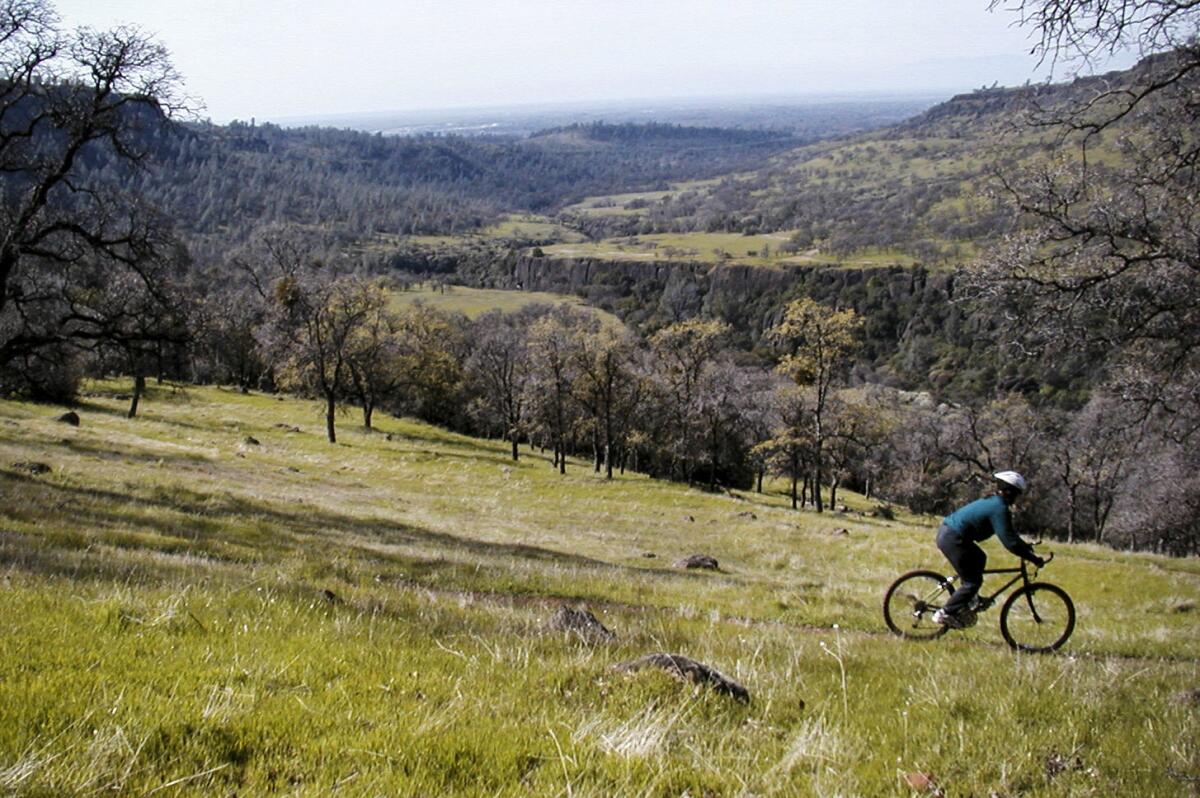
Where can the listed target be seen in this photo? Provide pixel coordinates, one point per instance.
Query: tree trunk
(330, 414)
(795, 478)
(1071, 515)
(368, 411)
(516, 451)
(139, 385)
(759, 480)
(816, 489)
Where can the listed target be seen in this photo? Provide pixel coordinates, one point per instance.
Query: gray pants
(968, 561)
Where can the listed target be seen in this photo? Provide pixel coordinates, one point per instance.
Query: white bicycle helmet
(1012, 479)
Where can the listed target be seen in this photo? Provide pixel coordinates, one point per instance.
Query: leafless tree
(313, 317)
(789, 451)
(1089, 456)
(375, 353)
(1109, 255)
(607, 388)
(683, 355)
(66, 98)
(499, 365)
(554, 366)
(817, 343)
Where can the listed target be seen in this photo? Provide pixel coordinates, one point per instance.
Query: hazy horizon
(613, 110)
(270, 61)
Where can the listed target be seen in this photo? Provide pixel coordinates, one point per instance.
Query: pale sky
(273, 59)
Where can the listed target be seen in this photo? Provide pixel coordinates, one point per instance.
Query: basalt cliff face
(749, 297)
(915, 334)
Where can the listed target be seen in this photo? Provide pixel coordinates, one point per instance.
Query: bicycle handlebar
(1045, 561)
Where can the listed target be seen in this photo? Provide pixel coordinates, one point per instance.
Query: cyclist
(959, 535)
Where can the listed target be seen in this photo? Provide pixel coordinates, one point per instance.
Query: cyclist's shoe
(950, 621)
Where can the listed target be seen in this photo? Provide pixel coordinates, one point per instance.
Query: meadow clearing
(211, 599)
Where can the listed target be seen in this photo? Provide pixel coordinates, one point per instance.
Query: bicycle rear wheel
(911, 601)
(1039, 617)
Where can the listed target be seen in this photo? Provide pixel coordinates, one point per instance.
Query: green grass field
(210, 599)
(474, 302)
(755, 250)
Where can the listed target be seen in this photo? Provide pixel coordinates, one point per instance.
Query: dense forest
(1048, 323)
(218, 183)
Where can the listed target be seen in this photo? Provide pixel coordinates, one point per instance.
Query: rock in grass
(581, 622)
(924, 783)
(1189, 698)
(702, 561)
(687, 669)
(250, 440)
(37, 469)
(70, 417)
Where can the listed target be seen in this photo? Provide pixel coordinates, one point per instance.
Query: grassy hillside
(212, 600)
(919, 190)
(473, 302)
(737, 248)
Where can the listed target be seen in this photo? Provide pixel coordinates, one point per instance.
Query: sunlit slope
(211, 599)
(474, 302)
(926, 190)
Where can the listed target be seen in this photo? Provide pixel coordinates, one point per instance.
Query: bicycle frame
(1022, 575)
(911, 600)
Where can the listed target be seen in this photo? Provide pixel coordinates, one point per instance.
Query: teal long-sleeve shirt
(982, 518)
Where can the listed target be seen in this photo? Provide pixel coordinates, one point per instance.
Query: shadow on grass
(198, 528)
(131, 452)
(383, 441)
(128, 452)
(436, 435)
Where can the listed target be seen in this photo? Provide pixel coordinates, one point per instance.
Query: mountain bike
(1038, 616)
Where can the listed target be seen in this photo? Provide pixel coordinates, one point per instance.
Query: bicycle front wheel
(1039, 617)
(911, 601)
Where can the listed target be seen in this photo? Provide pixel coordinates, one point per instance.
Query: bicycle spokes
(911, 601)
(1038, 617)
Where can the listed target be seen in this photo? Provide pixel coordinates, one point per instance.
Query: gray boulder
(688, 670)
(702, 561)
(580, 622)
